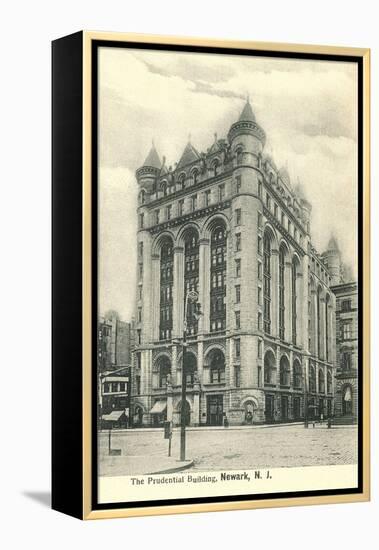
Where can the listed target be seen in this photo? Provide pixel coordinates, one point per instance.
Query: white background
(27, 29)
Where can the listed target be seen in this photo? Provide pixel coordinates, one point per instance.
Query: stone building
(346, 293)
(228, 224)
(115, 341)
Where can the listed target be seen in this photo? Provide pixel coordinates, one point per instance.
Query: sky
(308, 110)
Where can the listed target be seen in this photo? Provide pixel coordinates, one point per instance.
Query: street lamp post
(192, 297)
(305, 398)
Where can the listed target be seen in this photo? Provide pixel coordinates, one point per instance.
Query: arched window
(215, 167)
(284, 371)
(321, 381)
(181, 180)
(269, 368)
(217, 367)
(297, 375)
(329, 383)
(164, 188)
(312, 378)
(282, 261)
(195, 176)
(191, 275)
(166, 285)
(294, 300)
(190, 368)
(327, 301)
(143, 196)
(164, 369)
(267, 283)
(239, 155)
(218, 277)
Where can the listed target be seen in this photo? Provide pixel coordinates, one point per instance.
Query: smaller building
(346, 405)
(114, 398)
(346, 293)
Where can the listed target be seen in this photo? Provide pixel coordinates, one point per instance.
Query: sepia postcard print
(228, 359)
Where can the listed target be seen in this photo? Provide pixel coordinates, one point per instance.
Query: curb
(181, 468)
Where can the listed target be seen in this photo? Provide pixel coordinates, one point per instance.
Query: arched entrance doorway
(347, 400)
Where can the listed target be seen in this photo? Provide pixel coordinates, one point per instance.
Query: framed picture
(210, 275)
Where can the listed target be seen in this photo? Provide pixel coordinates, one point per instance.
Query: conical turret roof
(332, 244)
(152, 159)
(247, 114)
(189, 155)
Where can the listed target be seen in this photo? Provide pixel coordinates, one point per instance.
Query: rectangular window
(140, 292)
(140, 249)
(207, 197)
(259, 376)
(283, 219)
(238, 268)
(346, 331)
(238, 242)
(139, 336)
(238, 320)
(237, 347)
(138, 385)
(168, 212)
(260, 349)
(260, 189)
(345, 305)
(193, 202)
(260, 220)
(268, 201)
(289, 226)
(259, 320)
(259, 271)
(259, 296)
(139, 314)
(275, 210)
(259, 245)
(237, 376)
(238, 184)
(141, 220)
(181, 207)
(140, 270)
(221, 192)
(156, 216)
(238, 216)
(238, 294)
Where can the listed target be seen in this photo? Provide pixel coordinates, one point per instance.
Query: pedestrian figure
(226, 422)
(321, 418)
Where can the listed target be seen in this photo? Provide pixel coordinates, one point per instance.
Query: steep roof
(152, 158)
(247, 114)
(189, 155)
(332, 244)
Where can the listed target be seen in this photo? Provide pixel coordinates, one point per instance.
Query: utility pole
(305, 397)
(191, 297)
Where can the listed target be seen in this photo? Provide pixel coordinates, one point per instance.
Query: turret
(332, 259)
(247, 133)
(149, 171)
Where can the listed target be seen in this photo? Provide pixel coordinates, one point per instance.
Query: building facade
(346, 293)
(229, 225)
(115, 341)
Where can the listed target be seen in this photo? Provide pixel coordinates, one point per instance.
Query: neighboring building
(114, 346)
(228, 224)
(114, 397)
(346, 292)
(115, 342)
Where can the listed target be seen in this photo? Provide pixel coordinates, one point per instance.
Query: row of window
(115, 387)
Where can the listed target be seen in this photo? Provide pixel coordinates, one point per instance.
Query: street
(234, 449)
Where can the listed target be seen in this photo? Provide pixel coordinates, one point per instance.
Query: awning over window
(159, 407)
(114, 415)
